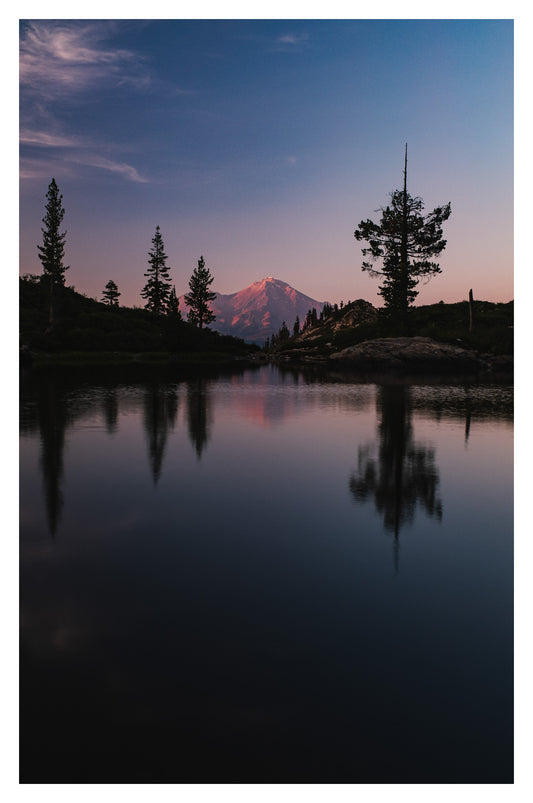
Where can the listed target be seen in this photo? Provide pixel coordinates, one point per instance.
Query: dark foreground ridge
(90, 332)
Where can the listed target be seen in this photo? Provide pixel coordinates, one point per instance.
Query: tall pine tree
(156, 291)
(404, 241)
(200, 313)
(52, 251)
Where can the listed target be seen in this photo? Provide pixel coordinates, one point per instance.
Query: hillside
(358, 321)
(257, 312)
(86, 325)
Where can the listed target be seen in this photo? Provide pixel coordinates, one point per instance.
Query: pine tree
(200, 314)
(157, 289)
(52, 251)
(173, 306)
(111, 294)
(296, 327)
(311, 319)
(405, 241)
(283, 333)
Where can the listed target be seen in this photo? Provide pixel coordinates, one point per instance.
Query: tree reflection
(160, 411)
(402, 474)
(198, 413)
(110, 410)
(52, 426)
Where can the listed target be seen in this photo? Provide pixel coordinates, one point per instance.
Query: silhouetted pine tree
(283, 333)
(111, 294)
(296, 327)
(173, 306)
(200, 313)
(311, 319)
(52, 251)
(157, 289)
(404, 240)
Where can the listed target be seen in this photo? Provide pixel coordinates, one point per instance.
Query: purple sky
(261, 144)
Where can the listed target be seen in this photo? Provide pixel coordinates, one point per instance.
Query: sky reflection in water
(265, 576)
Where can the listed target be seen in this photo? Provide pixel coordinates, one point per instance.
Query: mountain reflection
(160, 407)
(403, 473)
(198, 413)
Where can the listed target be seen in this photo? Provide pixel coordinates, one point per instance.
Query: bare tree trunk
(403, 252)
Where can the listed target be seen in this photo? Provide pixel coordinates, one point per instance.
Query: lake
(265, 575)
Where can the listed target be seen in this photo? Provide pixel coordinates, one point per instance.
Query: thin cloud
(290, 42)
(68, 153)
(47, 139)
(123, 169)
(291, 39)
(66, 58)
(59, 63)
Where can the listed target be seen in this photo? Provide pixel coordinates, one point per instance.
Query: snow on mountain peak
(258, 311)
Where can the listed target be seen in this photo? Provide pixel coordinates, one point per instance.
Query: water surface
(265, 576)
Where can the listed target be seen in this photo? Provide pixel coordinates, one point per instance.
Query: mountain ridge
(257, 311)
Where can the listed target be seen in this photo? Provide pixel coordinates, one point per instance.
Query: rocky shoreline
(381, 356)
(411, 355)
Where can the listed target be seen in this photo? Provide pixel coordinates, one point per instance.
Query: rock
(412, 354)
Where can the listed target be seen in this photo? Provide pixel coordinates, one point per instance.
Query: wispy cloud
(123, 169)
(291, 39)
(289, 42)
(66, 58)
(59, 63)
(48, 139)
(63, 156)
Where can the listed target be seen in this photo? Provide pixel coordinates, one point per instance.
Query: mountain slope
(258, 311)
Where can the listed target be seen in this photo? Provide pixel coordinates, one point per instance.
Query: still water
(265, 576)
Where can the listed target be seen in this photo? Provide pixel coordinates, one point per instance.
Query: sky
(261, 144)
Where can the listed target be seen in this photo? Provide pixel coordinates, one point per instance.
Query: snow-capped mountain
(258, 311)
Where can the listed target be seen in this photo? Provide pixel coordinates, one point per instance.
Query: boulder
(411, 354)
